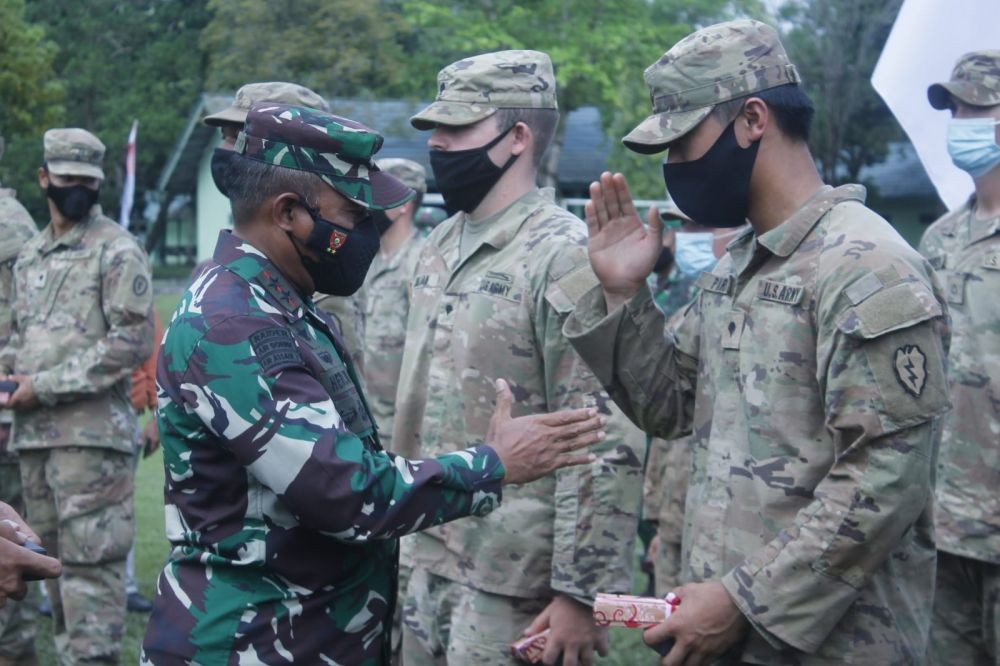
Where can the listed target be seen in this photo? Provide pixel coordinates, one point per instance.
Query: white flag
(128, 191)
(926, 41)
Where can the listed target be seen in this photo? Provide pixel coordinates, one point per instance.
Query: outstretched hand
(532, 446)
(622, 249)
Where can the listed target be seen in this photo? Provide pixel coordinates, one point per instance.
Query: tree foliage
(836, 44)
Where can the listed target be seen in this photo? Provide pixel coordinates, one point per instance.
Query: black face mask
(74, 201)
(465, 177)
(220, 169)
(382, 221)
(664, 261)
(714, 190)
(345, 254)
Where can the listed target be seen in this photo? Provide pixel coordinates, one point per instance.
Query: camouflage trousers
(17, 619)
(447, 623)
(965, 628)
(79, 500)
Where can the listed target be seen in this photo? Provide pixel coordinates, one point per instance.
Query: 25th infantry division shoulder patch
(910, 365)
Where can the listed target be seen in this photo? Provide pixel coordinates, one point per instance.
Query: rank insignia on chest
(910, 365)
(38, 279)
(991, 260)
(955, 287)
(732, 330)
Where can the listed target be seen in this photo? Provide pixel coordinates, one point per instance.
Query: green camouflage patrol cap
(474, 88)
(411, 174)
(975, 80)
(73, 151)
(719, 63)
(338, 150)
(272, 91)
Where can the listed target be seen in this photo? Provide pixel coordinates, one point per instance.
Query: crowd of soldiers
(384, 448)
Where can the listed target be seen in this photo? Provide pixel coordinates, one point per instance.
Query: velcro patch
(786, 294)
(275, 349)
(991, 260)
(863, 288)
(715, 283)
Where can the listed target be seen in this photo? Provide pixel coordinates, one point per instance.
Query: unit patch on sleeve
(275, 349)
(910, 365)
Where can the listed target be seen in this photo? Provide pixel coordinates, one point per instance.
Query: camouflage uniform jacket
(810, 370)
(348, 315)
(16, 227)
(387, 296)
(966, 252)
(282, 508)
(499, 314)
(82, 323)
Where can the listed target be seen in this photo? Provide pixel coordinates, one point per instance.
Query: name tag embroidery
(425, 281)
(777, 292)
(714, 283)
(498, 284)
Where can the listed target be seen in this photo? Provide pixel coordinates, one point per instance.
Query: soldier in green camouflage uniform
(282, 506)
(82, 323)
(810, 372)
(348, 313)
(17, 620)
(964, 246)
(491, 289)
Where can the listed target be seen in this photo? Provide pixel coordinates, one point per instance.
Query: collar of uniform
(783, 239)
(245, 260)
(980, 229)
(505, 224)
(72, 237)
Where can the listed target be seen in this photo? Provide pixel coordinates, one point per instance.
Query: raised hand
(532, 446)
(622, 249)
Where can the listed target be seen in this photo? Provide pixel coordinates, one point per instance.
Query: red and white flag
(128, 191)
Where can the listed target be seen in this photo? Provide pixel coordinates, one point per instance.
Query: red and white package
(530, 649)
(624, 610)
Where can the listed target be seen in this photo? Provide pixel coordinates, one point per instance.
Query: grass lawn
(627, 648)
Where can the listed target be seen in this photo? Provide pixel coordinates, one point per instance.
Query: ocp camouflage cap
(338, 150)
(474, 88)
(716, 64)
(410, 173)
(271, 91)
(72, 151)
(975, 80)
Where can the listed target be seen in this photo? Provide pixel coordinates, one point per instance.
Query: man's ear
(43, 178)
(523, 138)
(283, 209)
(752, 122)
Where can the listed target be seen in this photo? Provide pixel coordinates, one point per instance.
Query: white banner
(128, 191)
(927, 39)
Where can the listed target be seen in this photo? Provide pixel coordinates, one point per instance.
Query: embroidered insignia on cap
(337, 240)
(910, 365)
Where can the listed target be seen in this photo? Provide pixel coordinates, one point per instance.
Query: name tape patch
(715, 283)
(498, 284)
(786, 294)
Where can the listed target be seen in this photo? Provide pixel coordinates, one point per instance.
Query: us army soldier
(491, 290)
(810, 372)
(17, 621)
(82, 322)
(348, 312)
(282, 507)
(964, 246)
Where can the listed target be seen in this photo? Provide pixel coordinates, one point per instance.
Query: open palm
(622, 249)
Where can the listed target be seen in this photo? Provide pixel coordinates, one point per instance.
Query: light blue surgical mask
(972, 144)
(693, 252)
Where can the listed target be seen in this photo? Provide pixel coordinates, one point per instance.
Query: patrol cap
(338, 150)
(272, 91)
(73, 151)
(411, 174)
(975, 81)
(716, 64)
(474, 88)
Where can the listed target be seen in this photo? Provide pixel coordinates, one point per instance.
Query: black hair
(250, 183)
(791, 107)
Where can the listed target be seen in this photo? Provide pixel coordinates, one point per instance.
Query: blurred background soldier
(964, 246)
(17, 620)
(82, 323)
